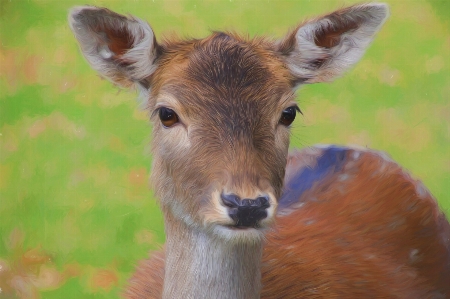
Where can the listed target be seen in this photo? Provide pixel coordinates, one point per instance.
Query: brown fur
(379, 235)
(219, 85)
(330, 36)
(368, 232)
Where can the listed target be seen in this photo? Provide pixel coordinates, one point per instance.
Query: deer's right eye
(167, 116)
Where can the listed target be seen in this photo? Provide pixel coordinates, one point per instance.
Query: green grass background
(76, 213)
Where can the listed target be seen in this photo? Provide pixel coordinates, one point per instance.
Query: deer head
(222, 106)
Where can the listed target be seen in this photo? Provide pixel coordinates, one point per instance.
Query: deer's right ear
(122, 49)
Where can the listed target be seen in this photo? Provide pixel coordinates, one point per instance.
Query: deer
(244, 217)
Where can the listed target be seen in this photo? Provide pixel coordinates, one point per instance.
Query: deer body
(344, 229)
(347, 224)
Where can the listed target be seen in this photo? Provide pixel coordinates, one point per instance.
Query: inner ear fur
(122, 49)
(322, 49)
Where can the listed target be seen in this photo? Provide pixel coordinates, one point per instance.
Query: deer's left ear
(121, 48)
(324, 48)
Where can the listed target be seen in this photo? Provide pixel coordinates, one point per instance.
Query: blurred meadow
(76, 212)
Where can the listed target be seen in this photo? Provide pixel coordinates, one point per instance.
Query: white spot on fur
(370, 256)
(343, 177)
(356, 155)
(421, 191)
(413, 255)
(105, 52)
(310, 222)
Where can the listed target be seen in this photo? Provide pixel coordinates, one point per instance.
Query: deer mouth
(243, 234)
(241, 227)
(257, 226)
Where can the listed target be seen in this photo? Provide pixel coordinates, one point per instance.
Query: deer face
(221, 133)
(222, 106)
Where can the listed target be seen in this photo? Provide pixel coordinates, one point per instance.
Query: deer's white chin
(239, 235)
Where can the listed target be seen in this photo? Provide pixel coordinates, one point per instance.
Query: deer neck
(199, 265)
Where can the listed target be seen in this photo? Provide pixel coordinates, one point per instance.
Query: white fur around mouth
(241, 228)
(233, 233)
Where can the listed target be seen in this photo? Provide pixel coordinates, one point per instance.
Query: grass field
(76, 212)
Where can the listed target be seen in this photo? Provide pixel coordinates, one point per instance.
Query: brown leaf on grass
(138, 177)
(35, 256)
(27, 271)
(104, 279)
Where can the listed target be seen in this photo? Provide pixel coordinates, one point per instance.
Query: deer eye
(288, 115)
(168, 117)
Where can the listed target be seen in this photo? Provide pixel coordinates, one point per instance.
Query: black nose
(246, 212)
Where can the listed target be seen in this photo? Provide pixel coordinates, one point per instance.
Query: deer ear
(324, 48)
(122, 49)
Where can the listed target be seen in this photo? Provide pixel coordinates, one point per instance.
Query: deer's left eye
(168, 117)
(288, 115)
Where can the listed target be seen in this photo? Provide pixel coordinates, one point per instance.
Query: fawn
(244, 218)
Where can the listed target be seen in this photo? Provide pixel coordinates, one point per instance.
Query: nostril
(246, 203)
(254, 203)
(231, 200)
(263, 201)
